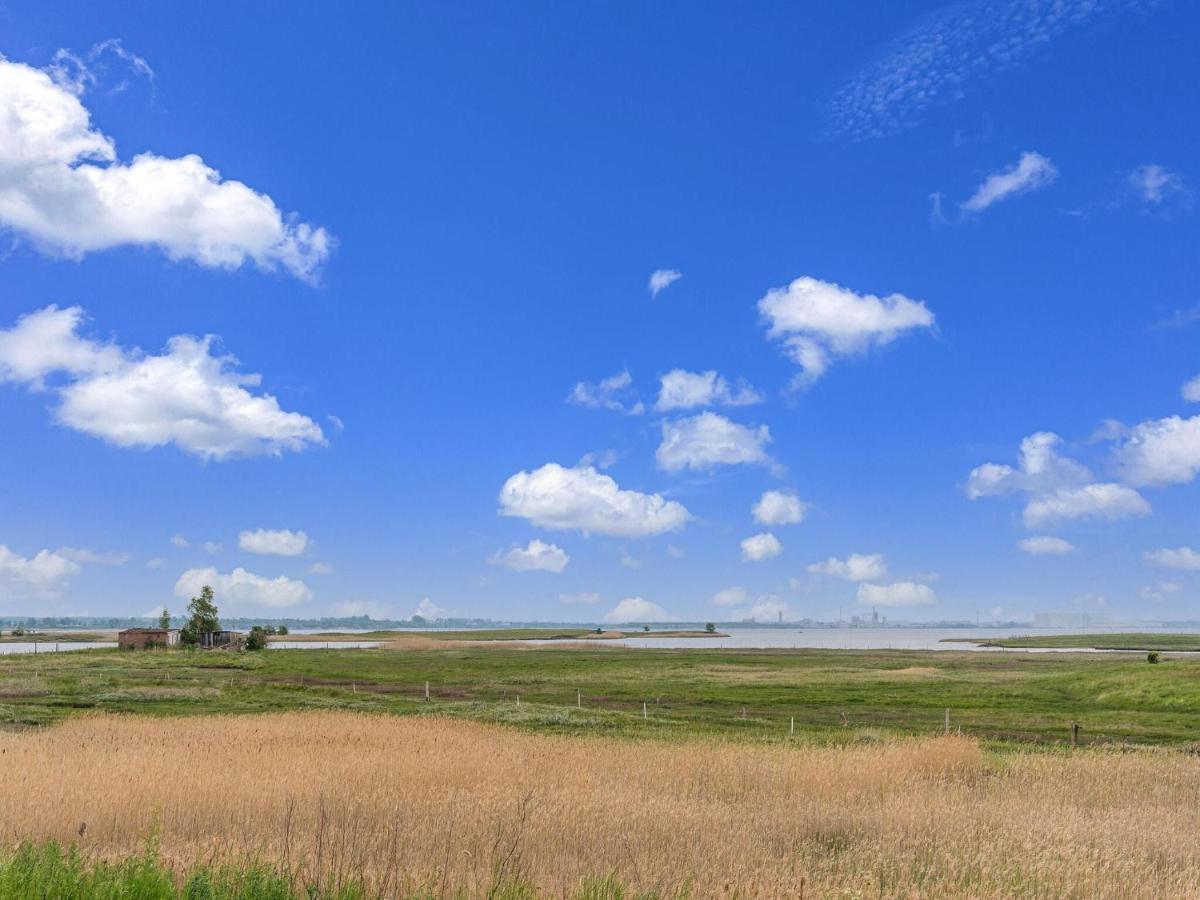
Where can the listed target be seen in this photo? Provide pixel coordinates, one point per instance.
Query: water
(863, 638)
(48, 646)
(318, 645)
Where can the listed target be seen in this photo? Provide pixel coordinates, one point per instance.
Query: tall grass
(442, 808)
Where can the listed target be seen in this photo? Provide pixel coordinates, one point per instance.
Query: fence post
(645, 715)
(793, 728)
(946, 729)
(518, 699)
(427, 692)
(578, 699)
(1074, 734)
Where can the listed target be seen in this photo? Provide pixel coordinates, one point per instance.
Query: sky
(621, 312)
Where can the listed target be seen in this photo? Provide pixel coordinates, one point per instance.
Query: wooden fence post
(1074, 734)
(427, 692)
(946, 729)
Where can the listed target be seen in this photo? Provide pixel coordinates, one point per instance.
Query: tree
(710, 627)
(164, 618)
(202, 617)
(257, 639)
(282, 629)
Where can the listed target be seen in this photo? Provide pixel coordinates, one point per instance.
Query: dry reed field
(453, 807)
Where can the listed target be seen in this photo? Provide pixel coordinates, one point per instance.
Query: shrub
(1152, 656)
(257, 639)
(710, 627)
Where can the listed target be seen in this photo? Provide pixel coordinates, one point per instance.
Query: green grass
(741, 694)
(1128, 641)
(50, 872)
(489, 634)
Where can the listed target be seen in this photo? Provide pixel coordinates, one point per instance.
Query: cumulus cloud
(185, 396)
(1030, 173)
(44, 575)
(63, 187)
(1191, 390)
(818, 321)
(901, 593)
(660, 279)
(559, 498)
(778, 508)
(767, 607)
(275, 543)
(707, 440)
(730, 596)
(538, 556)
(180, 542)
(212, 548)
(1060, 488)
(945, 55)
(681, 389)
(1161, 451)
(1182, 558)
(1046, 546)
(427, 609)
(242, 589)
(855, 567)
(1105, 501)
(636, 609)
(609, 393)
(762, 546)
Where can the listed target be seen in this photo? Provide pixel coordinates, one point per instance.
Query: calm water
(863, 638)
(50, 646)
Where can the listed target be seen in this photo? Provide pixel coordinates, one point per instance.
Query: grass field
(436, 807)
(745, 694)
(489, 634)
(1127, 641)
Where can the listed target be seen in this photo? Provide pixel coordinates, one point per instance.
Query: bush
(282, 629)
(710, 627)
(1152, 656)
(257, 639)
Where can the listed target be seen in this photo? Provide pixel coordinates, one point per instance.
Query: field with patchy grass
(751, 695)
(1122, 641)
(490, 634)
(442, 807)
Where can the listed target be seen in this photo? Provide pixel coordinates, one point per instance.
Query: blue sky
(351, 311)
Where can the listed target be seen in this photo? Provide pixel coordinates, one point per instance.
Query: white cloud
(607, 394)
(1060, 488)
(321, 568)
(1191, 390)
(1040, 469)
(778, 508)
(902, 593)
(680, 389)
(635, 609)
(1182, 558)
(758, 547)
(1046, 546)
(241, 589)
(537, 557)
(675, 552)
(179, 541)
(632, 562)
(855, 567)
(708, 440)
(1154, 185)
(212, 548)
(427, 609)
(63, 187)
(1105, 501)
(1161, 451)
(556, 497)
(276, 543)
(156, 563)
(819, 320)
(43, 575)
(185, 396)
(730, 596)
(947, 53)
(91, 557)
(584, 598)
(1031, 172)
(660, 279)
(766, 608)
(1159, 592)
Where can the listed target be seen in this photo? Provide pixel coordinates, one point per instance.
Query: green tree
(257, 639)
(283, 629)
(164, 618)
(710, 627)
(202, 617)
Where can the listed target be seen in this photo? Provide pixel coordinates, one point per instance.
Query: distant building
(214, 640)
(147, 638)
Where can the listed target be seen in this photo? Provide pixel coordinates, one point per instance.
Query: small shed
(213, 640)
(147, 638)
